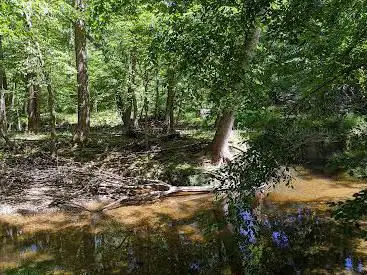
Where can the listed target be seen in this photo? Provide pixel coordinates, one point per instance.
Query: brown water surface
(308, 187)
(172, 236)
(178, 235)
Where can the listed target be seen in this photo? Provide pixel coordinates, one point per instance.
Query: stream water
(179, 235)
(176, 236)
(113, 250)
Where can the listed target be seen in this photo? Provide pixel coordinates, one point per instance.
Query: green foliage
(294, 71)
(256, 171)
(352, 210)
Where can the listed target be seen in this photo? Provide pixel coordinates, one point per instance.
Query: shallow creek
(178, 235)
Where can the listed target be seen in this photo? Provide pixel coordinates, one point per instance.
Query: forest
(183, 137)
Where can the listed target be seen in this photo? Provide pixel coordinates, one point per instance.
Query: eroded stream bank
(178, 235)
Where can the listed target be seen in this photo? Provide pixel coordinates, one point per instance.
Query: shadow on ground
(111, 166)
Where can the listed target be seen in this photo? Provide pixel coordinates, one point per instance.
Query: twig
(238, 148)
(171, 148)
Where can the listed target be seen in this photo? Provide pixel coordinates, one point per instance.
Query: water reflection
(180, 235)
(183, 247)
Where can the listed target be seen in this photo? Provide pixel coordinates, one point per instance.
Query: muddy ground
(112, 167)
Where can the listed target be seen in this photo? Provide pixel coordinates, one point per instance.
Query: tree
(170, 103)
(33, 74)
(51, 109)
(130, 117)
(312, 75)
(3, 88)
(217, 41)
(220, 149)
(83, 127)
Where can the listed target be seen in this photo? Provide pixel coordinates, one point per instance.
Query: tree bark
(156, 107)
(220, 148)
(15, 108)
(12, 112)
(33, 106)
(126, 115)
(170, 119)
(135, 112)
(19, 122)
(179, 109)
(130, 114)
(3, 119)
(32, 88)
(145, 107)
(83, 127)
(133, 92)
(51, 110)
(3, 88)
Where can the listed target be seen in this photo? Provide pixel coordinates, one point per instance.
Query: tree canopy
(289, 75)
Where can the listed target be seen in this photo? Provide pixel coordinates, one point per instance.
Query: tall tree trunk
(144, 108)
(126, 116)
(33, 106)
(130, 115)
(16, 107)
(32, 87)
(3, 120)
(156, 107)
(220, 148)
(170, 119)
(135, 112)
(12, 116)
(3, 88)
(19, 122)
(179, 108)
(51, 110)
(133, 92)
(83, 126)
(3, 123)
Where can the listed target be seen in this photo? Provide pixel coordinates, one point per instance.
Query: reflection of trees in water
(107, 247)
(143, 251)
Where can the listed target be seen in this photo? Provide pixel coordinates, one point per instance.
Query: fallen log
(165, 190)
(188, 189)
